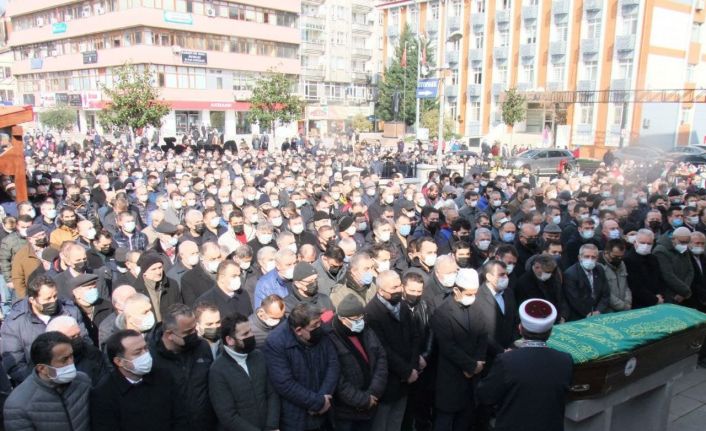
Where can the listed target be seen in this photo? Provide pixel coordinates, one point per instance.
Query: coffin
(613, 350)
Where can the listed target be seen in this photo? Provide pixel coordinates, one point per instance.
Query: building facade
(204, 55)
(597, 73)
(340, 59)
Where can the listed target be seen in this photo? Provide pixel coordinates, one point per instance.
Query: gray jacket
(8, 248)
(620, 294)
(36, 406)
(325, 280)
(677, 270)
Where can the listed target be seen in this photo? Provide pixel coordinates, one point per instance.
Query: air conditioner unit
(53, 20)
(700, 5)
(86, 13)
(100, 10)
(176, 49)
(54, 53)
(67, 17)
(40, 22)
(210, 12)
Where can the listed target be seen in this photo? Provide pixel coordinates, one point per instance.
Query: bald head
(67, 325)
(681, 233)
(307, 253)
(445, 264)
(120, 296)
(388, 280)
(187, 248)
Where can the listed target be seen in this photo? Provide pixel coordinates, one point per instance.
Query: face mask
(693, 221)
(244, 265)
(405, 230)
(50, 308)
(277, 221)
(357, 326)
(212, 334)
(356, 199)
(238, 201)
(448, 280)
(312, 289)
(655, 225)
(91, 234)
(64, 375)
(643, 200)
(289, 274)
(588, 264)
(510, 267)
(173, 241)
(91, 295)
(473, 204)
(615, 262)
(22, 232)
(508, 237)
(299, 203)
(468, 300)
(697, 250)
(51, 214)
(677, 222)
(544, 276)
(614, 234)
(264, 239)
(212, 266)
(556, 219)
(297, 229)
(389, 199)
(366, 278)
(147, 323)
(129, 226)
(497, 203)
(192, 260)
(270, 266)
(191, 202)
(643, 249)
(483, 245)
(292, 247)
(430, 260)
(315, 335)
(395, 298)
(502, 283)
(631, 239)
(164, 206)
(142, 364)
(191, 341)
(384, 236)
(383, 266)
(362, 226)
(587, 234)
(421, 202)
(234, 284)
(681, 248)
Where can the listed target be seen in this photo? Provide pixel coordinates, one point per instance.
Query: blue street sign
(427, 88)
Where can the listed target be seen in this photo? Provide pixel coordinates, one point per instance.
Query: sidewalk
(688, 409)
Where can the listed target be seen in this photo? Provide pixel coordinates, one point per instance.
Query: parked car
(692, 159)
(639, 153)
(543, 161)
(680, 151)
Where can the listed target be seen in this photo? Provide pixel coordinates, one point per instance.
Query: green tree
(394, 81)
(430, 120)
(360, 122)
(59, 118)
(514, 109)
(273, 100)
(134, 101)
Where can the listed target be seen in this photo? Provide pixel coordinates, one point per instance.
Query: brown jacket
(24, 263)
(61, 234)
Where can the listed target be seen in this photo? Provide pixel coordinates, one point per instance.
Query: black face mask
(465, 238)
(655, 225)
(42, 242)
(71, 224)
(81, 267)
(615, 261)
(248, 345)
(238, 228)
(212, 334)
(395, 298)
(316, 335)
(434, 226)
(77, 346)
(200, 228)
(50, 308)
(106, 250)
(413, 300)
(312, 289)
(463, 262)
(334, 270)
(191, 341)
(75, 197)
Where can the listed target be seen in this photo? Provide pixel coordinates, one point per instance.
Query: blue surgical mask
(366, 278)
(677, 222)
(91, 295)
(587, 234)
(357, 326)
(508, 237)
(405, 230)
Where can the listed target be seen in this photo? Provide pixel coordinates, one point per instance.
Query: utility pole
(419, 73)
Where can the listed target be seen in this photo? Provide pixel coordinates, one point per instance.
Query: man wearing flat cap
(94, 309)
(165, 244)
(530, 401)
(305, 288)
(28, 258)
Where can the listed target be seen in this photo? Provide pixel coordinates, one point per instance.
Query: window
(456, 8)
(528, 73)
(501, 74)
(696, 32)
(504, 37)
(593, 26)
(507, 4)
(435, 11)
(531, 31)
(630, 23)
(586, 113)
(590, 70)
(479, 39)
(625, 69)
(690, 73)
(617, 114)
(474, 111)
(562, 31)
(219, 83)
(558, 73)
(477, 76)
(480, 6)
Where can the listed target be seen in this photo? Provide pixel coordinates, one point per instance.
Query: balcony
(474, 90)
(555, 85)
(362, 28)
(500, 53)
(451, 91)
(629, 3)
(313, 46)
(620, 84)
(584, 129)
(475, 55)
(454, 23)
(524, 86)
(590, 46)
(363, 53)
(529, 13)
(561, 7)
(592, 5)
(585, 85)
(625, 42)
(359, 76)
(528, 50)
(393, 31)
(557, 48)
(313, 73)
(502, 16)
(498, 89)
(478, 20)
(313, 23)
(432, 26)
(473, 128)
(359, 6)
(452, 57)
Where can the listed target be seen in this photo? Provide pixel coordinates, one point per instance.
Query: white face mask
(545, 276)
(468, 300)
(214, 222)
(357, 326)
(384, 236)
(244, 265)
(147, 323)
(264, 239)
(297, 229)
(502, 283)
(448, 280)
(234, 284)
(129, 226)
(292, 247)
(289, 274)
(64, 374)
(142, 364)
(269, 266)
(697, 250)
(430, 260)
(483, 245)
(277, 221)
(643, 249)
(383, 266)
(90, 234)
(681, 248)
(212, 266)
(193, 260)
(510, 267)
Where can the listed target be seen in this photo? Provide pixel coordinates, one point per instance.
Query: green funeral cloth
(611, 334)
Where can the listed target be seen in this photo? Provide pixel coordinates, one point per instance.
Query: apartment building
(204, 55)
(340, 59)
(597, 73)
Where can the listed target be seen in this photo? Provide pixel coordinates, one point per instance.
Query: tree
(59, 118)
(430, 120)
(394, 82)
(514, 109)
(273, 100)
(360, 122)
(134, 101)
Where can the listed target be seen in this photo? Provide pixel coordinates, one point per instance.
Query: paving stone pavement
(688, 409)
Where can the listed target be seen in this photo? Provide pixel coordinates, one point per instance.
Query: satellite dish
(457, 35)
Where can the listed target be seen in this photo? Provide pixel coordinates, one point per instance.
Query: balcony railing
(585, 85)
(528, 50)
(454, 23)
(498, 89)
(625, 42)
(393, 31)
(478, 20)
(358, 27)
(475, 55)
(452, 57)
(555, 85)
(620, 84)
(432, 26)
(360, 76)
(502, 16)
(560, 7)
(361, 53)
(529, 13)
(313, 72)
(500, 52)
(590, 46)
(451, 91)
(592, 5)
(475, 90)
(557, 48)
(313, 46)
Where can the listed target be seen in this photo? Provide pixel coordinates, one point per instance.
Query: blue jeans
(8, 297)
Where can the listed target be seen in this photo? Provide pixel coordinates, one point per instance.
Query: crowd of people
(226, 288)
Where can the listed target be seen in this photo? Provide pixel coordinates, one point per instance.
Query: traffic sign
(427, 88)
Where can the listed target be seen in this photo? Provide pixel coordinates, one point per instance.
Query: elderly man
(263, 237)
(202, 276)
(359, 280)
(228, 294)
(188, 259)
(675, 264)
(644, 275)
(277, 281)
(265, 262)
(585, 285)
(107, 326)
(440, 285)
(480, 248)
(195, 227)
(349, 247)
(307, 253)
(156, 217)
